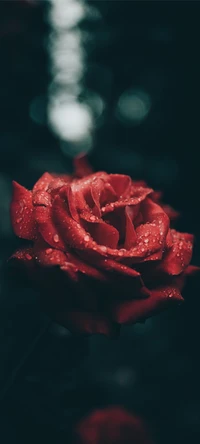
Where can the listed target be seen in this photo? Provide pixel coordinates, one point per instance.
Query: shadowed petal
(130, 234)
(140, 309)
(178, 257)
(22, 213)
(48, 257)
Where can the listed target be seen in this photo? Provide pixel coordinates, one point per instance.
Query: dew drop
(92, 218)
(49, 250)
(56, 238)
(86, 238)
(19, 220)
(146, 241)
(103, 248)
(170, 295)
(28, 256)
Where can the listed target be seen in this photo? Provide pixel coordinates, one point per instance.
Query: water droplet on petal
(56, 238)
(146, 241)
(103, 248)
(28, 256)
(49, 250)
(86, 238)
(19, 220)
(92, 218)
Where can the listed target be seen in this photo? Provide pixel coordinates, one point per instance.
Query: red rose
(111, 235)
(113, 425)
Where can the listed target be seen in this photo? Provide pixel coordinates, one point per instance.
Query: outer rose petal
(22, 213)
(140, 309)
(49, 182)
(191, 269)
(130, 234)
(24, 255)
(178, 257)
(47, 228)
(84, 268)
(68, 262)
(48, 257)
(43, 182)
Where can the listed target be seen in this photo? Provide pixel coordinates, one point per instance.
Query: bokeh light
(133, 106)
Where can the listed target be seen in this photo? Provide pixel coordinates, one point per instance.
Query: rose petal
(41, 197)
(104, 234)
(84, 268)
(191, 270)
(113, 266)
(121, 184)
(140, 195)
(108, 194)
(43, 182)
(47, 228)
(130, 236)
(178, 257)
(151, 237)
(72, 204)
(48, 257)
(140, 309)
(22, 213)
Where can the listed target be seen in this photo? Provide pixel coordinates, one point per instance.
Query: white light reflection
(66, 13)
(71, 120)
(71, 114)
(133, 106)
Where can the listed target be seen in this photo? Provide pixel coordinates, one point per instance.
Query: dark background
(154, 368)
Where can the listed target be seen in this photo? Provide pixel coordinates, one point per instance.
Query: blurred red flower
(113, 425)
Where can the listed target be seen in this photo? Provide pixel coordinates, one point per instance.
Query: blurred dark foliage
(154, 368)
